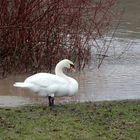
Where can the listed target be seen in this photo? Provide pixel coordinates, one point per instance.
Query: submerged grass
(80, 121)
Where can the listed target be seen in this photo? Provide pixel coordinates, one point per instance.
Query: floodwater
(117, 79)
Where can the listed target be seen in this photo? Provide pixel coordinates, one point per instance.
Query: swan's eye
(71, 65)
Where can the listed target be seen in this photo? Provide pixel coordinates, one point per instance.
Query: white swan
(51, 85)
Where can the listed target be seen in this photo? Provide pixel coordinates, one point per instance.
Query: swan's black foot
(51, 101)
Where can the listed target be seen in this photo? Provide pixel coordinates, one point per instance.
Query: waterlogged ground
(99, 121)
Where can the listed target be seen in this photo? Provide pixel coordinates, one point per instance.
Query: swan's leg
(49, 97)
(51, 101)
(52, 98)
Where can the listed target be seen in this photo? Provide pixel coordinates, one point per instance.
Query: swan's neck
(59, 71)
(72, 82)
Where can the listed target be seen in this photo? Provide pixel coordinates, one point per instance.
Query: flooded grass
(80, 121)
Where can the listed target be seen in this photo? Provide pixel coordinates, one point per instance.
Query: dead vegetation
(36, 34)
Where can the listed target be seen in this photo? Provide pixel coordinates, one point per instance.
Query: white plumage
(51, 85)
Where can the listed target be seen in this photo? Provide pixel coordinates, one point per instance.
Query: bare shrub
(36, 34)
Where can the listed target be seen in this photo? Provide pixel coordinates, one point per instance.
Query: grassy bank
(82, 121)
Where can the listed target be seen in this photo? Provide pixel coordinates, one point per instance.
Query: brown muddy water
(117, 79)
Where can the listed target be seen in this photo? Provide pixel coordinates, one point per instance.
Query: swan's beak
(72, 68)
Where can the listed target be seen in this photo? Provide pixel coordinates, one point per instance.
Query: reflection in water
(118, 78)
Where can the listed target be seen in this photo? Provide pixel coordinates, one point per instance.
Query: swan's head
(64, 64)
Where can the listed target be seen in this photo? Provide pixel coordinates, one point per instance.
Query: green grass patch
(119, 120)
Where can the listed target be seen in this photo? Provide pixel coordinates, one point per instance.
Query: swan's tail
(25, 85)
(22, 85)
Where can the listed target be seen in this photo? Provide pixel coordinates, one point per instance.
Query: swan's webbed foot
(51, 101)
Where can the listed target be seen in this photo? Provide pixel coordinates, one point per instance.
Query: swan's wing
(46, 80)
(46, 84)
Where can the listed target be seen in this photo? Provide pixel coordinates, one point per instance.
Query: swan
(51, 85)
